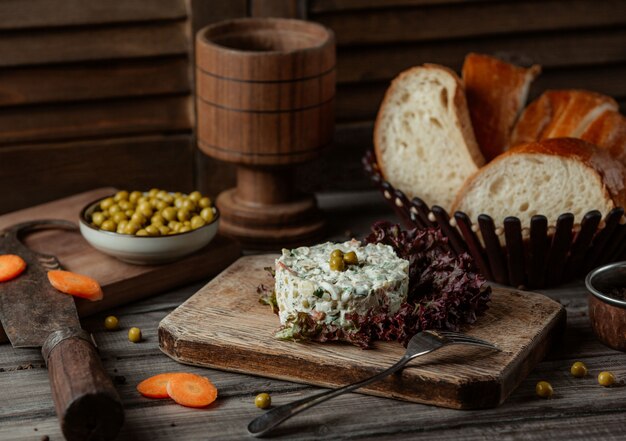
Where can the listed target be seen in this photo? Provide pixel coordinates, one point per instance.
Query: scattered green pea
(134, 335)
(544, 389)
(111, 323)
(579, 370)
(606, 378)
(263, 401)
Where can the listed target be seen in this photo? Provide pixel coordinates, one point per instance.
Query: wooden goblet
(264, 96)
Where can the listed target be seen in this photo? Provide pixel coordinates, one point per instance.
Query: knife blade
(30, 308)
(34, 314)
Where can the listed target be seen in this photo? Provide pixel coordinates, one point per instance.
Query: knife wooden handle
(86, 402)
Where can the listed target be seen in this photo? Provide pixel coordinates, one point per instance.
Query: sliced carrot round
(11, 266)
(75, 284)
(191, 390)
(156, 386)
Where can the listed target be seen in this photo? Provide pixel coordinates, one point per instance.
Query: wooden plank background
(99, 93)
(90, 71)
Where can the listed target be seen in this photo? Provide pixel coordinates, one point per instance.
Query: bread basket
(537, 257)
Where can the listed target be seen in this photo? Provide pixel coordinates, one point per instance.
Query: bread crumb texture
(419, 136)
(528, 184)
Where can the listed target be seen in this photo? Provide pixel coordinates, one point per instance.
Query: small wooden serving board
(224, 326)
(121, 282)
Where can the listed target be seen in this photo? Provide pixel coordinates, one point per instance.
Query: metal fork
(421, 343)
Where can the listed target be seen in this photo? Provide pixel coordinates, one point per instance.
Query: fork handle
(261, 425)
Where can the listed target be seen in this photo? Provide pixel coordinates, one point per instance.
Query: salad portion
(389, 286)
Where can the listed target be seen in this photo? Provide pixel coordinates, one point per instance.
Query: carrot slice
(11, 266)
(191, 390)
(75, 284)
(156, 386)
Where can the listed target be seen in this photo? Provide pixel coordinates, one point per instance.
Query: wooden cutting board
(224, 326)
(121, 282)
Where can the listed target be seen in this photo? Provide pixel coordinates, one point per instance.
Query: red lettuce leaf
(445, 291)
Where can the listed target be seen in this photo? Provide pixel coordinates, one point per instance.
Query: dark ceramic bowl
(607, 311)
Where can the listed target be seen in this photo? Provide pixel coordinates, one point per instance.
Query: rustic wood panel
(204, 12)
(563, 49)
(320, 6)
(80, 82)
(279, 8)
(521, 324)
(18, 14)
(100, 43)
(360, 101)
(98, 118)
(213, 176)
(40, 173)
(471, 19)
(339, 168)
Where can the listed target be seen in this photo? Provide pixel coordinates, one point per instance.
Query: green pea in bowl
(152, 249)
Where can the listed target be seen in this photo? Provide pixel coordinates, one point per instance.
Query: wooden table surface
(579, 410)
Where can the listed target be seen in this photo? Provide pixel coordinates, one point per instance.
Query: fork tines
(457, 337)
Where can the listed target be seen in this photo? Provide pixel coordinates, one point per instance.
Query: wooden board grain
(121, 282)
(223, 326)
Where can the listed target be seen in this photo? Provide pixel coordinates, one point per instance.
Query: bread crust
(609, 132)
(611, 173)
(559, 113)
(496, 94)
(461, 110)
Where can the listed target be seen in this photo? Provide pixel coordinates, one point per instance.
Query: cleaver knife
(34, 314)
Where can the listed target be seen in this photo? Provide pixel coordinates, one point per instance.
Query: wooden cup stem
(86, 402)
(262, 187)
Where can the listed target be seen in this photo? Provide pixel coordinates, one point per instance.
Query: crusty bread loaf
(609, 132)
(550, 177)
(496, 95)
(423, 136)
(560, 113)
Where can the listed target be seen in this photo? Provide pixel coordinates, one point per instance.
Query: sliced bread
(496, 95)
(423, 136)
(609, 132)
(560, 113)
(550, 177)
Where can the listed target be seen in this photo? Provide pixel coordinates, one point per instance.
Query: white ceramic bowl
(145, 250)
